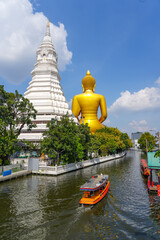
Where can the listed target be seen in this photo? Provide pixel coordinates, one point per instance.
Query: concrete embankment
(58, 170)
(15, 175)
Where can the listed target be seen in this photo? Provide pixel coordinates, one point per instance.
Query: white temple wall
(41, 88)
(41, 126)
(38, 95)
(35, 137)
(42, 103)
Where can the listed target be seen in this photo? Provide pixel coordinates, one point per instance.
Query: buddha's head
(88, 82)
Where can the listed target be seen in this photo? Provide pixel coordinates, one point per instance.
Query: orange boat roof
(144, 163)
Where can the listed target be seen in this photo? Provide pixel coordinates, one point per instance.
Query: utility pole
(146, 146)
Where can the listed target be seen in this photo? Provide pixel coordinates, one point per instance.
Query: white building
(135, 137)
(45, 91)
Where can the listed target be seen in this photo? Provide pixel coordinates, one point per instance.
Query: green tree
(108, 143)
(112, 140)
(64, 140)
(83, 131)
(157, 154)
(110, 131)
(15, 112)
(126, 140)
(147, 141)
(7, 143)
(94, 145)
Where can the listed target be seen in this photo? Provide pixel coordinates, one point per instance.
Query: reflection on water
(43, 207)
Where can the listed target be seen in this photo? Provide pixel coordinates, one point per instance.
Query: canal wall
(55, 170)
(10, 167)
(58, 170)
(15, 175)
(20, 172)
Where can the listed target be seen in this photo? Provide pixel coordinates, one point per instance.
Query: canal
(44, 207)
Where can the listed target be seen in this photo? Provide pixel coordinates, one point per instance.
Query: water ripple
(43, 207)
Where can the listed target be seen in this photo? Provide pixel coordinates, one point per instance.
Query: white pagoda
(45, 91)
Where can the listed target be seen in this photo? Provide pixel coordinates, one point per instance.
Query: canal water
(44, 207)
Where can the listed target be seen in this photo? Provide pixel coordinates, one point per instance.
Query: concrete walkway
(15, 175)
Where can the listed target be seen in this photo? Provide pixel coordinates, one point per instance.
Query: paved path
(15, 175)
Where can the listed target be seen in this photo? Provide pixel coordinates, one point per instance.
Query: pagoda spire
(44, 90)
(48, 29)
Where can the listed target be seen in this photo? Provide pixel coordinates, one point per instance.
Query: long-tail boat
(94, 190)
(144, 168)
(154, 177)
(154, 182)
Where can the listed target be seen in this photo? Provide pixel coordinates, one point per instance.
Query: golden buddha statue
(87, 105)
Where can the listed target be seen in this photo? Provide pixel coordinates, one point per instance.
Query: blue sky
(117, 40)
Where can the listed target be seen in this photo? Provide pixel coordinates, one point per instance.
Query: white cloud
(70, 103)
(145, 99)
(22, 32)
(59, 39)
(140, 126)
(106, 122)
(158, 81)
(137, 123)
(143, 122)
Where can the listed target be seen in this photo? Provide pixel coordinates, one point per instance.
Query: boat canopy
(144, 163)
(94, 183)
(153, 162)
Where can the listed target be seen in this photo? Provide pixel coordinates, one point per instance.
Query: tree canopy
(157, 154)
(68, 142)
(112, 140)
(15, 112)
(65, 140)
(147, 141)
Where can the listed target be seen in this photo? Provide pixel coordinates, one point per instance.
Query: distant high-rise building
(135, 136)
(45, 91)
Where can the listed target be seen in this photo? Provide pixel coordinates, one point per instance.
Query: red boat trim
(144, 168)
(144, 163)
(102, 194)
(100, 198)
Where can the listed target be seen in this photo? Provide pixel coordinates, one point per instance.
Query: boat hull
(144, 168)
(95, 199)
(153, 187)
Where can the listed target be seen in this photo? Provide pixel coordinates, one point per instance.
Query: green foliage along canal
(41, 207)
